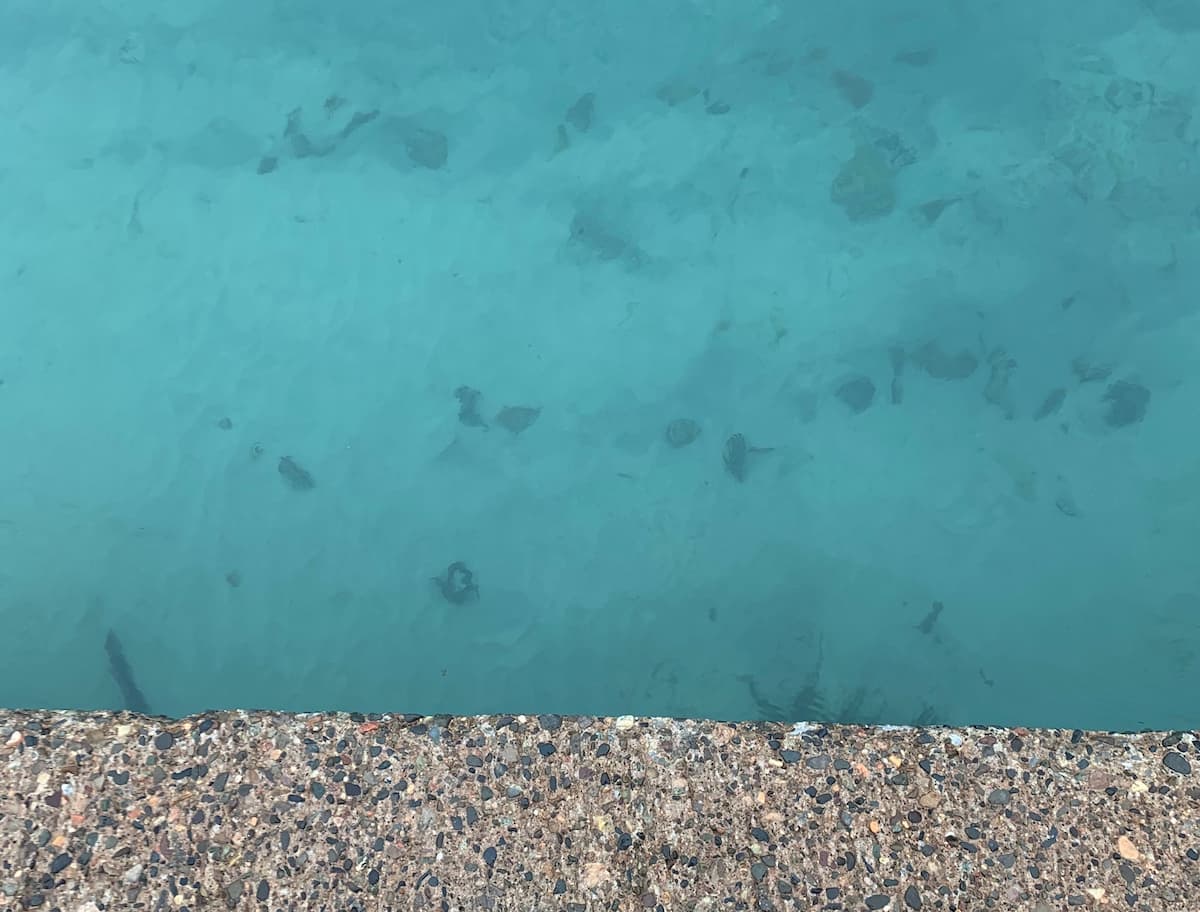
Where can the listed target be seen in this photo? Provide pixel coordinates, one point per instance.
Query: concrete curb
(268, 811)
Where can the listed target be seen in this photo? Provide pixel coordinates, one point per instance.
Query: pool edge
(249, 810)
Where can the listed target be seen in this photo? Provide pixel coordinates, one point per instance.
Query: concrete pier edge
(270, 811)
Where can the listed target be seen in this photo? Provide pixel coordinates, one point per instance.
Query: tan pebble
(722, 735)
(43, 779)
(60, 841)
(894, 761)
(594, 876)
(124, 731)
(625, 723)
(1099, 780)
(14, 739)
(874, 826)
(1127, 849)
(1139, 787)
(929, 800)
(1096, 893)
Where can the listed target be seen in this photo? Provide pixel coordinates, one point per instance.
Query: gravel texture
(264, 811)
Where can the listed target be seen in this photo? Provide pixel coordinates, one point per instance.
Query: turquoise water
(726, 359)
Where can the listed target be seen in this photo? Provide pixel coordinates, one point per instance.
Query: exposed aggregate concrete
(263, 811)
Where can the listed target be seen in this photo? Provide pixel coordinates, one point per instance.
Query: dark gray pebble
(164, 740)
(581, 114)
(1127, 403)
(546, 748)
(790, 756)
(489, 855)
(819, 762)
(944, 366)
(234, 891)
(999, 796)
(592, 233)
(682, 431)
(735, 455)
(550, 722)
(468, 406)
(1051, 404)
(857, 394)
(912, 898)
(295, 475)
(758, 871)
(1177, 763)
(59, 862)
(263, 893)
(877, 901)
(517, 418)
(427, 148)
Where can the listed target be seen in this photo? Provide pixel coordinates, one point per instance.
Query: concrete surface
(260, 811)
